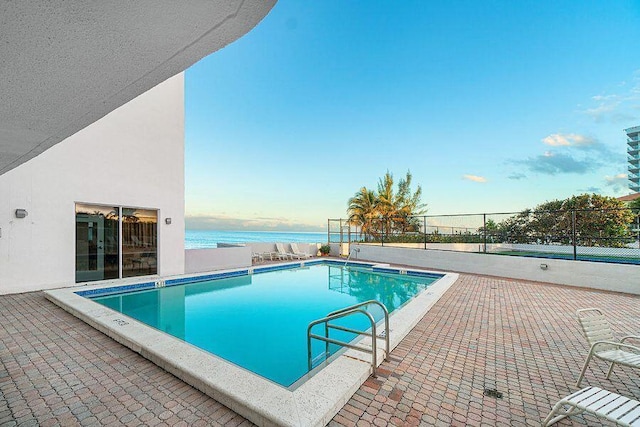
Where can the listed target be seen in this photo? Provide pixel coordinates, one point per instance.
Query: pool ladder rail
(348, 311)
(356, 250)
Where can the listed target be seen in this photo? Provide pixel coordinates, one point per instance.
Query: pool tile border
(313, 403)
(116, 289)
(104, 290)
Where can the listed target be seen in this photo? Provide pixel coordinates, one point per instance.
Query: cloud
(606, 107)
(569, 140)
(621, 107)
(551, 163)
(222, 222)
(616, 178)
(572, 153)
(517, 176)
(596, 190)
(575, 141)
(618, 183)
(474, 178)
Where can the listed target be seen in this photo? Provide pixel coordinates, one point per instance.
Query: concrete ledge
(597, 275)
(203, 260)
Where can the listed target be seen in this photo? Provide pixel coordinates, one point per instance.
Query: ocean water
(197, 239)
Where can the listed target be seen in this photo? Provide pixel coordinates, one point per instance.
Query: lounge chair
(297, 251)
(614, 407)
(285, 254)
(270, 255)
(604, 344)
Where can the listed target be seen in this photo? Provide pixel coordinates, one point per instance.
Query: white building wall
(132, 157)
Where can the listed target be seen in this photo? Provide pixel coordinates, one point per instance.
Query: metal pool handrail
(347, 311)
(386, 320)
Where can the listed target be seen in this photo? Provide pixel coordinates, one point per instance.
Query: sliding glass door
(96, 242)
(102, 254)
(139, 242)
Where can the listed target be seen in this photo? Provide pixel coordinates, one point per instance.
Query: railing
(604, 235)
(348, 311)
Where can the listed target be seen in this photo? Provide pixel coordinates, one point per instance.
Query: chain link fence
(604, 235)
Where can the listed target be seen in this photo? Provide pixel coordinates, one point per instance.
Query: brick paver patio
(518, 338)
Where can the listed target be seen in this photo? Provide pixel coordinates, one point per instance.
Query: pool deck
(517, 337)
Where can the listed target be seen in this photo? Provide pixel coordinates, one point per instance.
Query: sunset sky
(494, 106)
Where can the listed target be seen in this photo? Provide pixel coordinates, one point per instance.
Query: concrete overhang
(66, 63)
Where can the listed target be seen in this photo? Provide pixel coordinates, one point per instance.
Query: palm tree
(408, 205)
(362, 211)
(387, 202)
(386, 210)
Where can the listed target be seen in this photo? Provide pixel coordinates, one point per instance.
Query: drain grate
(492, 392)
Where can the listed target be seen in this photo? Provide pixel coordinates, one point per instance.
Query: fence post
(484, 228)
(638, 227)
(382, 232)
(424, 221)
(341, 238)
(573, 234)
(328, 231)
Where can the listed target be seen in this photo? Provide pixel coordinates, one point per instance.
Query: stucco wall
(133, 157)
(202, 260)
(597, 275)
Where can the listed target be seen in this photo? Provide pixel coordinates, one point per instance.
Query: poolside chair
(257, 257)
(282, 253)
(602, 403)
(297, 251)
(604, 344)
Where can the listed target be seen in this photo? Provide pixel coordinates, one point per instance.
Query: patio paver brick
(517, 337)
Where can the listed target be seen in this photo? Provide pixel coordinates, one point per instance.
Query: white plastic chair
(612, 406)
(283, 253)
(604, 344)
(296, 251)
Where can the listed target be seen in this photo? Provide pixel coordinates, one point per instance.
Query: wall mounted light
(544, 266)
(167, 221)
(21, 213)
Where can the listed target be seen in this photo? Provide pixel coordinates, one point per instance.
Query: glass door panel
(139, 242)
(96, 242)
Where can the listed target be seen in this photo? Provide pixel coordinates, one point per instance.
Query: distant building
(633, 141)
(629, 198)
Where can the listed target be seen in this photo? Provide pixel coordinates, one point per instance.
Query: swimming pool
(312, 402)
(259, 321)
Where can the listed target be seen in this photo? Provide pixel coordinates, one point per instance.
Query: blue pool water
(259, 321)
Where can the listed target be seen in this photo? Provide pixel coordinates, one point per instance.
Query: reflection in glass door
(102, 254)
(139, 242)
(96, 242)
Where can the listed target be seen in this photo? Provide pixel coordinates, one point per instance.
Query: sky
(494, 106)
